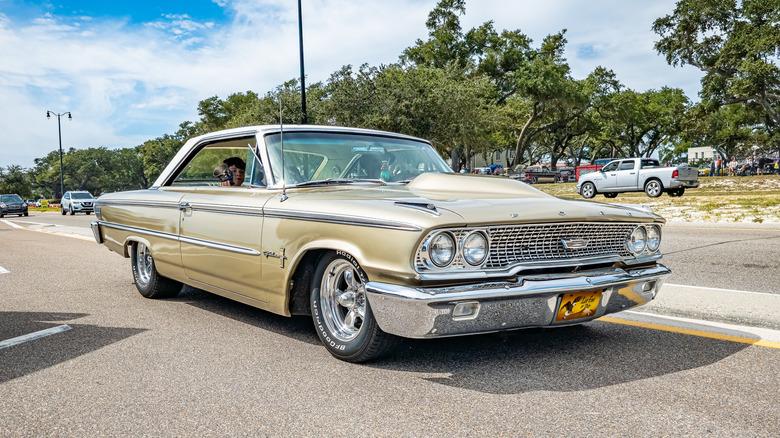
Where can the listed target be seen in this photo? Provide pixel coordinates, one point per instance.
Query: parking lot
(201, 365)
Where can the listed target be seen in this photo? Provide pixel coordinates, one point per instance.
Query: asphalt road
(201, 365)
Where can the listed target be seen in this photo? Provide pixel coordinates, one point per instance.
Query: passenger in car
(237, 168)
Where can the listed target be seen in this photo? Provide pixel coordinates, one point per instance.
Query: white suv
(77, 201)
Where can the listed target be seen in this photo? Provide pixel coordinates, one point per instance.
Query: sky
(133, 71)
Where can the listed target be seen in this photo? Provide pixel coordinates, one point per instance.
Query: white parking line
(32, 336)
(3, 270)
(7, 222)
(721, 290)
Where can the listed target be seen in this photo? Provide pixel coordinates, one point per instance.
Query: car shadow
(296, 327)
(35, 355)
(594, 355)
(591, 356)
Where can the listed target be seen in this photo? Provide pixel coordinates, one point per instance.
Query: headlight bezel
(633, 240)
(462, 246)
(430, 249)
(654, 228)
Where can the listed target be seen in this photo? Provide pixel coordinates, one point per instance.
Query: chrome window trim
(339, 219)
(176, 237)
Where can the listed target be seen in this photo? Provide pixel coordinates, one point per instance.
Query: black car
(14, 204)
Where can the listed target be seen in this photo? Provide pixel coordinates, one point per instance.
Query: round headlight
(442, 249)
(653, 238)
(637, 241)
(475, 248)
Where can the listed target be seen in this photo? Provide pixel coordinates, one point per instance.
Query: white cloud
(127, 83)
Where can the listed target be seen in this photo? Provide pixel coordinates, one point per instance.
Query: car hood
(432, 200)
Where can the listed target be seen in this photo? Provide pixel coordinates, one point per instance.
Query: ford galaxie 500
(372, 235)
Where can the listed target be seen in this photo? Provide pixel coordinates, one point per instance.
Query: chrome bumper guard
(95, 225)
(489, 307)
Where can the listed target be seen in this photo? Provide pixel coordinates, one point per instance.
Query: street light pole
(59, 132)
(304, 116)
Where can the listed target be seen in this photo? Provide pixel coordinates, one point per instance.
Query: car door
(220, 226)
(625, 176)
(609, 183)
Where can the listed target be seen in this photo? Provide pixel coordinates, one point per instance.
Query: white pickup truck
(636, 175)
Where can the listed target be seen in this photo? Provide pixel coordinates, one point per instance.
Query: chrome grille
(523, 243)
(510, 245)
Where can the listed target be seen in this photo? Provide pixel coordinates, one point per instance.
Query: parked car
(77, 202)
(372, 235)
(636, 175)
(14, 204)
(539, 174)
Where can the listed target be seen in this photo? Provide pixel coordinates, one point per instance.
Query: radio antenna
(281, 140)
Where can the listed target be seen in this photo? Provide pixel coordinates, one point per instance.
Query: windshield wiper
(337, 181)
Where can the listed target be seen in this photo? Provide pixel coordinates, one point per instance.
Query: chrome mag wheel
(144, 264)
(343, 300)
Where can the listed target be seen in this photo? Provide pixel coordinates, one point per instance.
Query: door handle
(185, 207)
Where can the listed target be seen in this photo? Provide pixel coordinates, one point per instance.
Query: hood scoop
(423, 206)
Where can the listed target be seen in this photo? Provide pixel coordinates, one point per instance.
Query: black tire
(148, 281)
(534, 180)
(70, 210)
(341, 312)
(2, 215)
(654, 188)
(676, 192)
(610, 195)
(88, 213)
(26, 213)
(62, 210)
(588, 190)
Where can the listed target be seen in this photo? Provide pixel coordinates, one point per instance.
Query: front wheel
(588, 190)
(610, 195)
(653, 188)
(62, 210)
(70, 210)
(148, 281)
(341, 313)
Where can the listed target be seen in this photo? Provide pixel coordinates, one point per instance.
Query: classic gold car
(372, 235)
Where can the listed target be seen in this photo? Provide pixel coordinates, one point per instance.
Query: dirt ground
(749, 199)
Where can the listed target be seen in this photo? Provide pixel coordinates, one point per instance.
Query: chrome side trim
(183, 239)
(146, 231)
(228, 209)
(339, 219)
(138, 203)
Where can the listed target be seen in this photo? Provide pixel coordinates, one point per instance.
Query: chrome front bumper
(531, 302)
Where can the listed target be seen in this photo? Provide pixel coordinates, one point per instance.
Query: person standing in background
(718, 166)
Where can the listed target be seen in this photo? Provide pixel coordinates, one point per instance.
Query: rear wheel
(341, 313)
(588, 190)
(653, 188)
(147, 280)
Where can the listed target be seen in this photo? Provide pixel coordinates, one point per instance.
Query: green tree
(15, 179)
(736, 45)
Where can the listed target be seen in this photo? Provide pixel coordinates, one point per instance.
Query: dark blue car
(12, 204)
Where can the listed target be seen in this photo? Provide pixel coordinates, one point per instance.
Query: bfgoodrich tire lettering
(341, 313)
(148, 281)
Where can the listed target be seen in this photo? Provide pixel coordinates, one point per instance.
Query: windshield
(320, 156)
(81, 196)
(10, 198)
